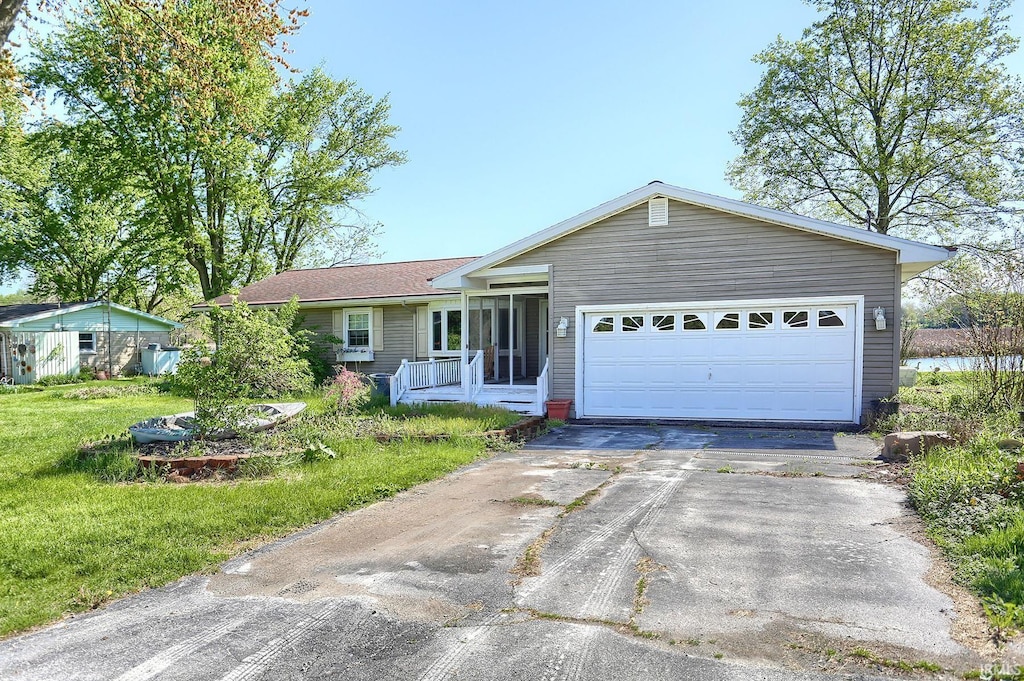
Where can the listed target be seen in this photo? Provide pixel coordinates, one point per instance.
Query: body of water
(944, 363)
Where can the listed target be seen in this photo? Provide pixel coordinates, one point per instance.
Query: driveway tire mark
(167, 657)
(654, 501)
(257, 663)
(459, 651)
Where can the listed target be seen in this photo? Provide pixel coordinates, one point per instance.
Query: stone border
(182, 469)
(523, 430)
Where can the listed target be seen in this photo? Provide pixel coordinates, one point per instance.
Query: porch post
(511, 338)
(464, 342)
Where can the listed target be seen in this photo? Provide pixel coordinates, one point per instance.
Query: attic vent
(657, 212)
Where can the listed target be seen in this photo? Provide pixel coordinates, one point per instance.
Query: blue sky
(518, 115)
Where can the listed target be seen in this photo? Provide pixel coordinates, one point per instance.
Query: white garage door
(772, 361)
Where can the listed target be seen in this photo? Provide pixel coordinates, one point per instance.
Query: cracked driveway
(687, 553)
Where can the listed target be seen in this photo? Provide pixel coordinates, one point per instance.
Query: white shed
(45, 339)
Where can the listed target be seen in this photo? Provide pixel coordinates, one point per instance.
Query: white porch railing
(542, 387)
(448, 372)
(427, 374)
(474, 376)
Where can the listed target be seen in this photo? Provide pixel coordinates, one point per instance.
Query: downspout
(110, 361)
(137, 355)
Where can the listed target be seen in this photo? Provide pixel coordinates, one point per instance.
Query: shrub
(257, 356)
(348, 391)
(58, 379)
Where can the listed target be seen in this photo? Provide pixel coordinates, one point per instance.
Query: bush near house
(82, 527)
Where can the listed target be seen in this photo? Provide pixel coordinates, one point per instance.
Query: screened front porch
(486, 348)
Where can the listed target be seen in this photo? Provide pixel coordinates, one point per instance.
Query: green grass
(970, 496)
(70, 541)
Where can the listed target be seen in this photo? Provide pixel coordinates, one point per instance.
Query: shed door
(775, 361)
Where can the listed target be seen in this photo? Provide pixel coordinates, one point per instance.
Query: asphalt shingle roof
(349, 282)
(11, 312)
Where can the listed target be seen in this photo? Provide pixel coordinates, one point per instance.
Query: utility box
(158, 360)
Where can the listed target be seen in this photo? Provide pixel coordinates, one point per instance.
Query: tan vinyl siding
(399, 338)
(708, 255)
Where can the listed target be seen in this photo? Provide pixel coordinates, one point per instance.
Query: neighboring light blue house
(45, 339)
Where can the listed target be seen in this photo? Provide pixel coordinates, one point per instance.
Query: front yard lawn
(70, 540)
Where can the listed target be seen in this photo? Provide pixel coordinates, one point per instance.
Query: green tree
(897, 114)
(260, 354)
(239, 182)
(89, 235)
(322, 142)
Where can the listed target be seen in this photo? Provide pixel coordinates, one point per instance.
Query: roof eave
(61, 311)
(336, 302)
(907, 251)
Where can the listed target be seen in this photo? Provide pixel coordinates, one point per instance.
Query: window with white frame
(446, 329)
(358, 329)
(87, 343)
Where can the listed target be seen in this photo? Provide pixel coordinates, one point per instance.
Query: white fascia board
(518, 271)
(906, 251)
(61, 311)
(351, 302)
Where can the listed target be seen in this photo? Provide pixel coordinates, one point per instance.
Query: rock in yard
(1010, 445)
(900, 447)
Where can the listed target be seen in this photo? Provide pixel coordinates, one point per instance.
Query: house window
(604, 325)
(358, 330)
(453, 337)
(87, 343)
(446, 330)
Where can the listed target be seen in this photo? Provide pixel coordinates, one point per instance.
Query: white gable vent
(657, 212)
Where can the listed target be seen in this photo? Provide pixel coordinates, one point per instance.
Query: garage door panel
(778, 372)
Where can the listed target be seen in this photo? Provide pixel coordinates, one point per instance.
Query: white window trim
(91, 351)
(361, 353)
(444, 307)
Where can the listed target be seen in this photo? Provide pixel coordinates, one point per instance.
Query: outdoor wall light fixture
(563, 326)
(880, 318)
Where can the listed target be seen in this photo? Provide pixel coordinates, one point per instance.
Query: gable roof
(408, 279)
(11, 312)
(13, 315)
(915, 257)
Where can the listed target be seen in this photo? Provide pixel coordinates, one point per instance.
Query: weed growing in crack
(528, 564)
(902, 665)
(532, 501)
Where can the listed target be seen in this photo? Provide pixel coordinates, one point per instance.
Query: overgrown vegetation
(79, 528)
(259, 355)
(971, 496)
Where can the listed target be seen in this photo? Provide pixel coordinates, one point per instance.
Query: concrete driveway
(619, 552)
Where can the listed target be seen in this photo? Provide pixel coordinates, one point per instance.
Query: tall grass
(971, 496)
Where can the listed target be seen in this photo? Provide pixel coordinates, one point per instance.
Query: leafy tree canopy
(898, 108)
